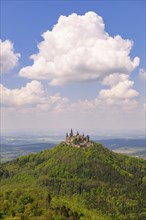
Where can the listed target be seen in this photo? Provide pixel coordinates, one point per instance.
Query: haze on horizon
(78, 68)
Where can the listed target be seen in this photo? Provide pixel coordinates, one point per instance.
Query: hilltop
(74, 183)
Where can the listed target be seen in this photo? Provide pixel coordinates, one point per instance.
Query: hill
(130, 147)
(72, 183)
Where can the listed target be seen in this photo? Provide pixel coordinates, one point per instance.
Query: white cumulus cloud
(8, 58)
(31, 96)
(142, 74)
(121, 95)
(79, 49)
(120, 98)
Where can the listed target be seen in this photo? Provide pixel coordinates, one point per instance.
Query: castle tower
(88, 138)
(66, 137)
(71, 133)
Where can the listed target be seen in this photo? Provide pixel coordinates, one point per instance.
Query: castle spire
(88, 138)
(71, 133)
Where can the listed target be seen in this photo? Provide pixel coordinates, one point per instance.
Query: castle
(78, 140)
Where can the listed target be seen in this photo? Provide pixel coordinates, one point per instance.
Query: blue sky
(23, 23)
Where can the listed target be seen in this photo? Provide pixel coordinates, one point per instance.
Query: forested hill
(70, 183)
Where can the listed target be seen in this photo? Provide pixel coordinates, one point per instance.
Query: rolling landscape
(71, 182)
(72, 110)
(12, 147)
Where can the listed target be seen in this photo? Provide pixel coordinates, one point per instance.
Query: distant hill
(130, 147)
(72, 183)
(122, 142)
(11, 151)
(13, 147)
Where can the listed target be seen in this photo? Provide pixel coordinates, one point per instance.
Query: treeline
(68, 183)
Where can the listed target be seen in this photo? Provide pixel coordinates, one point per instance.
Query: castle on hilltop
(78, 140)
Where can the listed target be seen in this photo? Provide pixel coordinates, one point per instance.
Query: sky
(73, 64)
